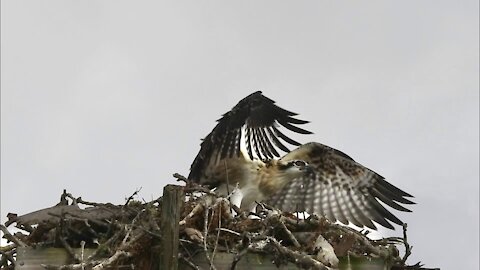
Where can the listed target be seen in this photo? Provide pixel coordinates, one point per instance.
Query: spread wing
(340, 189)
(260, 118)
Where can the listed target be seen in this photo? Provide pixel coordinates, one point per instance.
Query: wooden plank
(224, 260)
(29, 258)
(362, 263)
(172, 201)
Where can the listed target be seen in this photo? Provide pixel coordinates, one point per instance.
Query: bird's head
(277, 173)
(293, 168)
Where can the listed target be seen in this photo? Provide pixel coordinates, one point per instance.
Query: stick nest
(129, 235)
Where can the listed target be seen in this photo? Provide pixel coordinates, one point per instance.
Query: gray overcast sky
(104, 97)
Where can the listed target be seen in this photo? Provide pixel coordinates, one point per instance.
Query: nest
(131, 235)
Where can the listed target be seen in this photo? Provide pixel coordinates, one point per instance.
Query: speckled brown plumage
(314, 177)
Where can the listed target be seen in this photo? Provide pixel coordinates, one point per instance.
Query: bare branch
(11, 237)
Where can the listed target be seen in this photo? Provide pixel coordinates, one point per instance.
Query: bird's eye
(299, 163)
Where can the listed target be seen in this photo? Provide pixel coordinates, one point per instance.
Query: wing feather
(267, 154)
(389, 201)
(393, 190)
(248, 143)
(276, 141)
(339, 208)
(341, 189)
(249, 117)
(284, 137)
(330, 209)
(352, 215)
(293, 128)
(256, 143)
(359, 207)
(296, 121)
(271, 148)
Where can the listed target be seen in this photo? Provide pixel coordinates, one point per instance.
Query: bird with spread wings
(313, 178)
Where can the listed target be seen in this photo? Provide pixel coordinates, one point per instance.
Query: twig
(64, 201)
(314, 221)
(279, 221)
(3, 262)
(205, 202)
(107, 243)
(188, 262)
(197, 209)
(132, 196)
(63, 198)
(365, 242)
(303, 260)
(7, 248)
(77, 266)
(60, 233)
(408, 248)
(8, 257)
(130, 228)
(82, 253)
(180, 177)
(219, 209)
(108, 262)
(205, 233)
(228, 186)
(121, 251)
(229, 231)
(69, 249)
(81, 201)
(11, 237)
(89, 227)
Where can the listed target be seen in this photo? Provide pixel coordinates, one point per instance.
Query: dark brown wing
(340, 189)
(261, 117)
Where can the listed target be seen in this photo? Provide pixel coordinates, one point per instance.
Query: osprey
(313, 177)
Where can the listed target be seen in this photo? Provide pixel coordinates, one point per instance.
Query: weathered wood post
(173, 198)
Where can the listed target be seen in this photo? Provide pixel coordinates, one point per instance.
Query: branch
(11, 237)
(408, 248)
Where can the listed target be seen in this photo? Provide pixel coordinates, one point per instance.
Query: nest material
(129, 235)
